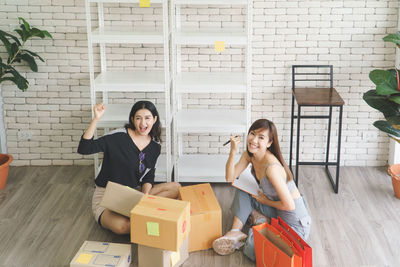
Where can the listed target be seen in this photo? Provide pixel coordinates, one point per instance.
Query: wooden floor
(45, 216)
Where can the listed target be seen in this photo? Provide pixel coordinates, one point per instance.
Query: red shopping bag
(304, 249)
(273, 249)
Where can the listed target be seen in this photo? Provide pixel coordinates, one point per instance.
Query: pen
(227, 142)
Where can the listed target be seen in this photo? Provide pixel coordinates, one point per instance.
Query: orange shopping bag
(273, 249)
(304, 249)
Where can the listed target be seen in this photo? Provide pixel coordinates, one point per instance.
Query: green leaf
(37, 32)
(386, 127)
(31, 61)
(20, 83)
(385, 81)
(17, 79)
(395, 98)
(25, 24)
(26, 34)
(32, 54)
(47, 34)
(6, 43)
(394, 38)
(5, 34)
(21, 34)
(381, 103)
(395, 120)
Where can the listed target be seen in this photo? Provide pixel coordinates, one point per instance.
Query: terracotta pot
(5, 160)
(394, 171)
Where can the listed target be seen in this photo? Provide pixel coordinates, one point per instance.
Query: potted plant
(386, 98)
(16, 52)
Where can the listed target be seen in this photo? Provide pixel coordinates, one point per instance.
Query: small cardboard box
(120, 198)
(151, 257)
(160, 222)
(206, 216)
(97, 254)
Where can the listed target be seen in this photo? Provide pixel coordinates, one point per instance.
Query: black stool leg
(329, 137)
(338, 150)
(291, 135)
(298, 145)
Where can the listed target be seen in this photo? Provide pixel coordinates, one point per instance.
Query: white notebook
(247, 182)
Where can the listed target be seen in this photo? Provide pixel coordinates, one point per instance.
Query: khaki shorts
(96, 200)
(96, 208)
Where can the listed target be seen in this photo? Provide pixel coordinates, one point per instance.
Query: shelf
(161, 170)
(211, 121)
(130, 81)
(210, 82)
(116, 115)
(202, 168)
(211, 2)
(123, 1)
(123, 35)
(208, 36)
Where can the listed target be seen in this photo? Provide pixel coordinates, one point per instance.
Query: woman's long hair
(155, 131)
(273, 137)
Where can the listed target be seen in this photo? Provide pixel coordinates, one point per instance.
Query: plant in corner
(16, 52)
(386, 98)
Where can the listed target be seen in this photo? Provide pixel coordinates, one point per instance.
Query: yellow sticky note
(175, 257)
(219, 46)
(153, 229)
(144, 3)
(84, 258)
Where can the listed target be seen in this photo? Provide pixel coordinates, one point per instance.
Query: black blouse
(121, 159)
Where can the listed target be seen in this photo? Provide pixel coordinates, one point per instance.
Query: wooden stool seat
(317, 97)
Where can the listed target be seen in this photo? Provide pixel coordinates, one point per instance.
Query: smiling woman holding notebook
(278, 196)
(130, 156)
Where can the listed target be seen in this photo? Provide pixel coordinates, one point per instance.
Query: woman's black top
(121, 159)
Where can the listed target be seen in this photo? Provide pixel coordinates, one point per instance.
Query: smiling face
(258, 141)
(143, 121)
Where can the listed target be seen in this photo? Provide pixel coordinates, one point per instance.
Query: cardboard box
(206, 215)
(150, 257)
(160, 222)
(97, 254)
(120, 198)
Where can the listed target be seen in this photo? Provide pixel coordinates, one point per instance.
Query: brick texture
(347, 34)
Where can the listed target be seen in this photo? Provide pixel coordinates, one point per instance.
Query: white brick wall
(346, 34)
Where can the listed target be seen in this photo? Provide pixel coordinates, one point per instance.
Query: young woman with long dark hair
(278, 196)
(130, 157)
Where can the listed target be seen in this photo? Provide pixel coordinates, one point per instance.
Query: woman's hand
(235, 141)
(99, 110)
(261, 198)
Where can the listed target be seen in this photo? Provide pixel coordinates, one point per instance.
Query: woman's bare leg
(115, 222)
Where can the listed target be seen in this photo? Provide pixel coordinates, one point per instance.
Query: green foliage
(17, 54)
(386, 96)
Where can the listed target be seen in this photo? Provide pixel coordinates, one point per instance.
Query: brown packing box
(120, 198)
(206, 216)
(151, 257)
(160, 222)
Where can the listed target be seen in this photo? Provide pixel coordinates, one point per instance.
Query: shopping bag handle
(263, 256)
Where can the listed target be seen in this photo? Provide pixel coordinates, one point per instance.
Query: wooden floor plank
(45, 215)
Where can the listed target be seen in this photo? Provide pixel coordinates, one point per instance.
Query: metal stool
(315, 96)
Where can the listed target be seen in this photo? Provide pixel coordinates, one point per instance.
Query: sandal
(227, 245)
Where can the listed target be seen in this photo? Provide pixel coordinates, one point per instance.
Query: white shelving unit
(205, 167)
(130, 81)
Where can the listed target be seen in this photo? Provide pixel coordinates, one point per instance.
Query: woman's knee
(116, 223)
(122, 227)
